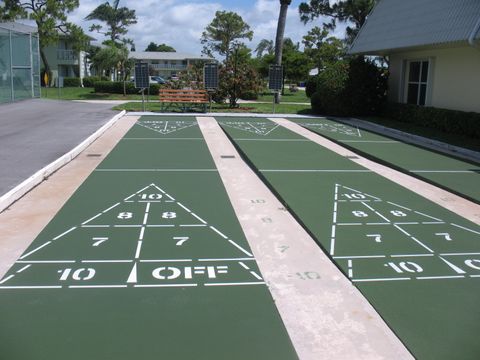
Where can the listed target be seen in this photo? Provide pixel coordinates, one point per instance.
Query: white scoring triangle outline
(254, 129)
(167, 124)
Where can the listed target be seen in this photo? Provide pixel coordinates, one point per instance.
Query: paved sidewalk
(34, 133)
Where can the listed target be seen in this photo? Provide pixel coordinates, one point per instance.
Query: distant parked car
(157, 80)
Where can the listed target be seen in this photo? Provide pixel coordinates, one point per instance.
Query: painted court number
(151, 196)
(77, 275)
(405, 266)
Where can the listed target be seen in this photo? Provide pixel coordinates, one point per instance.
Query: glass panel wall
(19, 64)
(5, 67)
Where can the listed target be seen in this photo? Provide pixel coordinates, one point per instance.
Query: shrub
(71, 82)
(356, 87)
(450, 121)
(311, 86)
(249, 95)
(114, 87)
(328, 99)
(366, 88)
(89, 81)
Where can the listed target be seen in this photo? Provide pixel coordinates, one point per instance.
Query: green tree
(347, 11)
(224, 34)
(51, 20)
(264, 46)
(162, 47)
(282, 20)
(117, 20)
(323, 49)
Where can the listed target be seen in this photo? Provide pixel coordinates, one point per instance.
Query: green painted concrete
(143, 264)
(417, 263)
(459, 176)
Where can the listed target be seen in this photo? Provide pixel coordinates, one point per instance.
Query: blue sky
(180, 23)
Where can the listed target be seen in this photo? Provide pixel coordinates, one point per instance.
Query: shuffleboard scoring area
(144, 257)
(417, 263)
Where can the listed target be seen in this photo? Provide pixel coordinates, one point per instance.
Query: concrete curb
(17, 192)
(415, 139)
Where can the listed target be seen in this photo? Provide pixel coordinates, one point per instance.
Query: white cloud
(180, 23)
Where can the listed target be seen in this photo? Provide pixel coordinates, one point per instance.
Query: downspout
(471, 38)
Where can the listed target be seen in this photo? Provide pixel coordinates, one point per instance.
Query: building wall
(454, 78)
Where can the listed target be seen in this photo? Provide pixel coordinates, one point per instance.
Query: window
(417, 82)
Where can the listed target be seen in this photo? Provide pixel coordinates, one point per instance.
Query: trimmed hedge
(71, 82)
(116, 87)
(90, 81)
(449, 121)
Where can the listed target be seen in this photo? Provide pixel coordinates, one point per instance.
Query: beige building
(167, 64)
(64, 61)
(433, 48)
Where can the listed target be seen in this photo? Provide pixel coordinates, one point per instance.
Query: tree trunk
(282, 20)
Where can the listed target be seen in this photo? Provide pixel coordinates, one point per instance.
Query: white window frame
(428, 83)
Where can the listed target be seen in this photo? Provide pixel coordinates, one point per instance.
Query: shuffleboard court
(417, 263)
(461, 177)
(146, 260)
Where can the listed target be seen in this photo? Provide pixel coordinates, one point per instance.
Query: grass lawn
(298, 96)
(284, 108)
(77, 93)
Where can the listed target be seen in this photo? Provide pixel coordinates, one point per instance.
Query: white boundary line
(17, 192)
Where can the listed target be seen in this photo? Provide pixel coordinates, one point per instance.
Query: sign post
(142, 81)
(275, 80)
(210, 80)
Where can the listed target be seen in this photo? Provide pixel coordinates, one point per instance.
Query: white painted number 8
(398, 213)
(359, 214)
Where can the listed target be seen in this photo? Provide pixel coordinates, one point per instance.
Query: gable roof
(19, 27)
(403, 24)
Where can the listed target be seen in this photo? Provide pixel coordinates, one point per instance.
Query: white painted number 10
(405, 266)
(151, 196)
(77, 275)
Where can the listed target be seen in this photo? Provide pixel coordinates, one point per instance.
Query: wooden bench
(184, 99)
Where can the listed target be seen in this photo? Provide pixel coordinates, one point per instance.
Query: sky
(180, 23)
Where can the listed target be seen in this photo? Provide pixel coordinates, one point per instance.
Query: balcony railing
(67, 55)
(169, 66)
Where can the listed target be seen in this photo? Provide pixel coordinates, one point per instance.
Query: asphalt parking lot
(34, 133)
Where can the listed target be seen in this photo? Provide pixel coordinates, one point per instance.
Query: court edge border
(20, 190)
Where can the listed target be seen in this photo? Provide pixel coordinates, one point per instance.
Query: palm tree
(282, 20)
(264, 46)
(117, 19)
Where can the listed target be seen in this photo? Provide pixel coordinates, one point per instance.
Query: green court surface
(417, 263)
(145, 261)
(461, 177)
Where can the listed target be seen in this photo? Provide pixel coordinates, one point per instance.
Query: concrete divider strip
(325, 315)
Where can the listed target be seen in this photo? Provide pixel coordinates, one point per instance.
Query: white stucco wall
(455, 77)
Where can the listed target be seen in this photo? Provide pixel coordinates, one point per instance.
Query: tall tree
(265, 46)
(161, 48)
(347, 11)
(225, 33)
(282, 20)
(321, 48)
(115, 17)
(50, 18)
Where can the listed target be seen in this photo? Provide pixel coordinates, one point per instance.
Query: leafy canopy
(347, 11)
(224, 33)
(161, 48)
(116, 18)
